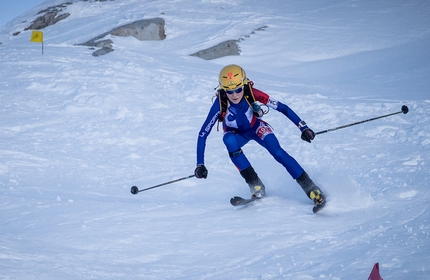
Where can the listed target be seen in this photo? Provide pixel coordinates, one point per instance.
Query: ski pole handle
(135, 190)
(404, 110)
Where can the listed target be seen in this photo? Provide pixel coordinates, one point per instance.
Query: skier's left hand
(308, 135)
(201, 171)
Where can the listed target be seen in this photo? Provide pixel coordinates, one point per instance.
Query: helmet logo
(230, 75)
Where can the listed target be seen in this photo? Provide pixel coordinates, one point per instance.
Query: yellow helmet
(232, 77)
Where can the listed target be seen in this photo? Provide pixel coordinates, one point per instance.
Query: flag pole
(37, 37)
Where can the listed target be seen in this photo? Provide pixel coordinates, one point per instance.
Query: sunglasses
(238, 90)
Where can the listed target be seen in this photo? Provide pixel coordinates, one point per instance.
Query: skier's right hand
(201, 171)
(308, 135)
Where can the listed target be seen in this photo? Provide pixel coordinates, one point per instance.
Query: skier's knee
(235, 153)
(230, 141)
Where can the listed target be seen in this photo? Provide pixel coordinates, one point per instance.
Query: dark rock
(51, 16)
(143, 30)
(225, 48)
(102, 51)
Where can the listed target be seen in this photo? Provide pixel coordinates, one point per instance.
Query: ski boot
(311, 190)
(255, 185)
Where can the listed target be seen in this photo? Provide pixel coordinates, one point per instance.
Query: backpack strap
(248, 94)
(250, 98)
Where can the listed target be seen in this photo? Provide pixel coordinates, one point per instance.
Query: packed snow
(78, 131)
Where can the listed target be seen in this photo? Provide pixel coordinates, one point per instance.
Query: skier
(235, 106)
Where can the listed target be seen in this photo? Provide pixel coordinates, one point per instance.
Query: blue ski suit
(240, 126)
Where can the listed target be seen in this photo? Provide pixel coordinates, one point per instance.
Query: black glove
(308, 135)
(201, 171)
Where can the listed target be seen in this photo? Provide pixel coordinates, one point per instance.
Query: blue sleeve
(289, 113)
(206, 128)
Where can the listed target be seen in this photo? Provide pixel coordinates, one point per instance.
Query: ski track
(78, 131)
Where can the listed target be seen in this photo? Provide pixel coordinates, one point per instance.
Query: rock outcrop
(50, 16)
(225, 48)
(143, 30)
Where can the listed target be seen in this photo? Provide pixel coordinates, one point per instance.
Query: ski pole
(404, 110)
(135, 190)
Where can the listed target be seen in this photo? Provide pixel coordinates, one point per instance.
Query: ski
(240, 201)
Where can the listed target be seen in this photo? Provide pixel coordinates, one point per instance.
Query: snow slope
(78, 131)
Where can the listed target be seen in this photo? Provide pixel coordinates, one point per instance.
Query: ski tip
(235, 201)
(318, 208)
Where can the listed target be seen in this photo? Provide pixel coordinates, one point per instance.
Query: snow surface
(78, 131)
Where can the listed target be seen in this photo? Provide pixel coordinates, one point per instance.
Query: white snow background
(78, 131)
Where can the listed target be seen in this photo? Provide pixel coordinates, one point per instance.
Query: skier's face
(235, 96)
